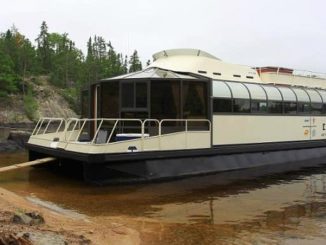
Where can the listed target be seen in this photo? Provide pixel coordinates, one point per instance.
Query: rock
(21, 218)
(37, 219)
(48, 238)
(9, 146)
(20, 137)
(32, 218)
(14, 239)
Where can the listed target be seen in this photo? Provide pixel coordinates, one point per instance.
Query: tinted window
(241, 105)
(165, 99)
(134, 95)
(194, 99)
(316, 108)
(110, 100)
(141, 95)
(222, 105)
(258, 106)
(274, 106)
(303, 107)
(290, 107)
(127, 94)
(324, 109)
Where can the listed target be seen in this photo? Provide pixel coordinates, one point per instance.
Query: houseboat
(190, 113)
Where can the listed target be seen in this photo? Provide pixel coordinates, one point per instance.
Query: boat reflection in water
(264, 208)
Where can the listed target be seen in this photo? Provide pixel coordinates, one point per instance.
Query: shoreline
(72, 230)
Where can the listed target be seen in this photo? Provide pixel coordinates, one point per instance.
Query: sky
(287, 33)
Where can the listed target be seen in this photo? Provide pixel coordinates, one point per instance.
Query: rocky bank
(49, 99)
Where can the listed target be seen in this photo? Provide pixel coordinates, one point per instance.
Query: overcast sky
(290, 33)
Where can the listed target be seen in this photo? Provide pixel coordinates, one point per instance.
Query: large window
(110, 100)
(194, 99)
(133, 95)
(165, 99)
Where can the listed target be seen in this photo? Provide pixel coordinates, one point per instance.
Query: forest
(56, 57)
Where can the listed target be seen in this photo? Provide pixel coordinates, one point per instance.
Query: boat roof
(195, 61)
(196, 64)
(153, 73)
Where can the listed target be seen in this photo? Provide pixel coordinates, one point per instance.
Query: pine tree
(135, 64)
(43, 48)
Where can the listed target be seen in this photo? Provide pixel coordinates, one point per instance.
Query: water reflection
(232, 208)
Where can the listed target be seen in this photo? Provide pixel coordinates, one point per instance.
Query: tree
(134, 62)
(8, 78)
(43, 48)
(66, 60)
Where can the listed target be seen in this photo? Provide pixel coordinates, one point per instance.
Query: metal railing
(90, 130)
(294, 72)
(48, 125)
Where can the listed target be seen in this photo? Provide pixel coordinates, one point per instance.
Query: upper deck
(192, 61)
(280, 75)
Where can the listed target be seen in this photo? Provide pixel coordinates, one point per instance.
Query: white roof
(199, 62)
(151, 73)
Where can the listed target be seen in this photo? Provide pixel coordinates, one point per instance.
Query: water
(288, 208)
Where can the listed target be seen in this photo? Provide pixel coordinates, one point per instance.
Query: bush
(30, 106)
(71, 95)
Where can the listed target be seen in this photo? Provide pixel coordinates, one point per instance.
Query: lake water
(288, 208)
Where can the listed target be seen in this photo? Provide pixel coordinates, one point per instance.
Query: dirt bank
(69, 230)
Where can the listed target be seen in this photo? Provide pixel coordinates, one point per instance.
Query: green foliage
(43, 49)
(56, 56)
(72, 96)
(135, 64)
(30, 106)
(8, 78)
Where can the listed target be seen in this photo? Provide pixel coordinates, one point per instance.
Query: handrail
(72, 133)
(294, 72)
(48, 121)
(186, 122)
(112, 131)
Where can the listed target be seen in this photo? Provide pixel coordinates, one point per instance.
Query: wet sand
(76, 229)
(287, 208)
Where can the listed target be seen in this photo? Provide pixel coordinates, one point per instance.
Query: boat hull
(153, 166)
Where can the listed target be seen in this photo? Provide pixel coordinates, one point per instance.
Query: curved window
(256, 91)
(239, 91)
(323, 94)
(315, 97)
(272, 93)
(302, 95)
(288, 94)
(221, 90)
